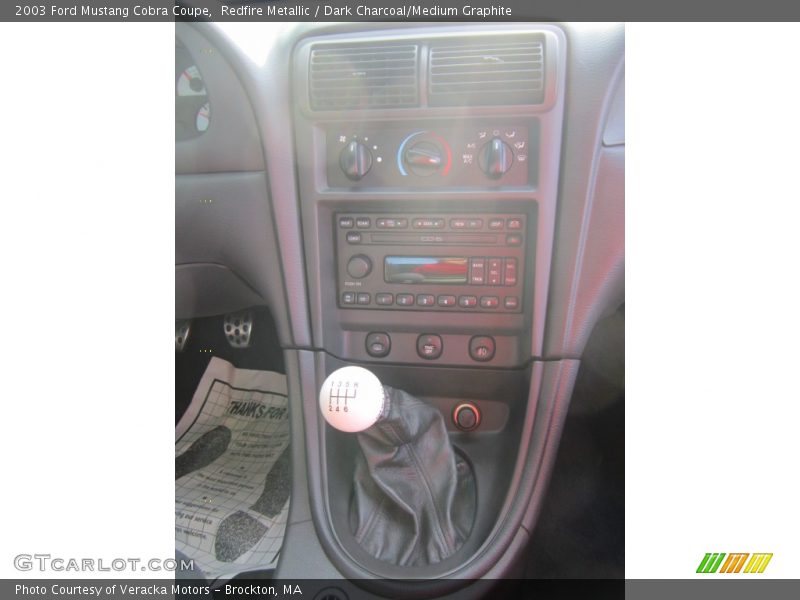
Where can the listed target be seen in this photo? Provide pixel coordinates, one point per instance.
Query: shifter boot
(414, 498)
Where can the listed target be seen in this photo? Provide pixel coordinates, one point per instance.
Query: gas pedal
(182, 329)
(239, 328)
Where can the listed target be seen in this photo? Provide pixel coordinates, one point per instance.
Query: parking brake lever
(414, 497)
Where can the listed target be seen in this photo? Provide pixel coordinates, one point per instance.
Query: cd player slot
(433, 238)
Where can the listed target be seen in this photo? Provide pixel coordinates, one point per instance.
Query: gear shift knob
(352, 399)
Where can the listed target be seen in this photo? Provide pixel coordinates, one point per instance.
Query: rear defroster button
(429, 346)
(481, 348)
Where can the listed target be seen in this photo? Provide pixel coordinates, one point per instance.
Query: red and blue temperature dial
(424, 153)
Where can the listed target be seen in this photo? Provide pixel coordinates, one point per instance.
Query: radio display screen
(426, 269)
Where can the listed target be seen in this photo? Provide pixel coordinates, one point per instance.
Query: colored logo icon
(717, 562)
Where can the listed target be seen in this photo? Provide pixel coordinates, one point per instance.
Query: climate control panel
(467, 154)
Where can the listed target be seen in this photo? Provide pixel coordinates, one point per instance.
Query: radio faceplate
(467, 262)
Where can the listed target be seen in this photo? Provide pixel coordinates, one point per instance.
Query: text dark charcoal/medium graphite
(418, 10)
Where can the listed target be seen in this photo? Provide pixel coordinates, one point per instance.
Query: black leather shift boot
(414, 498)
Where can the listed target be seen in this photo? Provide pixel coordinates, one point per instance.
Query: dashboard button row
(430, 346)
(443, 300)
(496, 224)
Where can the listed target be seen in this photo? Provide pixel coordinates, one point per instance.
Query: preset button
(405, 299)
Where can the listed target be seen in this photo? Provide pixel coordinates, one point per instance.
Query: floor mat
(232, 471)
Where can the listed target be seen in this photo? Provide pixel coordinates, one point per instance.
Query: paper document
(232, 471)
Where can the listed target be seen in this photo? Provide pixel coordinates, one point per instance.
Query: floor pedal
(182, 329)
(239, 328)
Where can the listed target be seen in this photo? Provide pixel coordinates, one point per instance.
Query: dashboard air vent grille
(355, 76)
(487, 71)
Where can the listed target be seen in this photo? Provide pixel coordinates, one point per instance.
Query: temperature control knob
(352, 399)
(423, 158)
(359, 266)
(355, 160)
(495, 158)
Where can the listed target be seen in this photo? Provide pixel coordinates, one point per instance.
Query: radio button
(514, 224)
(511, 302)
(490, 302)
(384, 299)
(424, 223)
(346, 222)
(446, 301)
(468, 301)
(496, 224)
(349, 298)
(425, 299)
(514, 239)
(477, 271)
(363, 222)
(510, 275)
(353, 237)
(378, 344)
(391, 223)
(458, 223)
(363, 298)
(474, 223)
(495, 273)
(429, 346)
(405, 299)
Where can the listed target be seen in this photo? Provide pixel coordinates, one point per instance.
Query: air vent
(487, 71)
(355, 76)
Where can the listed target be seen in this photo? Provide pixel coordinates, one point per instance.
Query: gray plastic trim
(614, 135)
(231, 142)
(269, 88)
(588, 267)
(301, 554)
(225, 219)
(204, 290)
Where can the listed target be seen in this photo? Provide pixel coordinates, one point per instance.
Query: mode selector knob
(495, 158)
(355, 160)
(359, 266)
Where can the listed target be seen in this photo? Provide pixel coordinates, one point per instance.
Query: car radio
(432, 262)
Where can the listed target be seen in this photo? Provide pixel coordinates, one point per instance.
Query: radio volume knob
(495, 158)
(359, 266)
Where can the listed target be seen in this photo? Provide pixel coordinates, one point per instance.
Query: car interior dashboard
(441, 203)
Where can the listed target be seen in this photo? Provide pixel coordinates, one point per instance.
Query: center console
(403, 221)
(429, 165)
